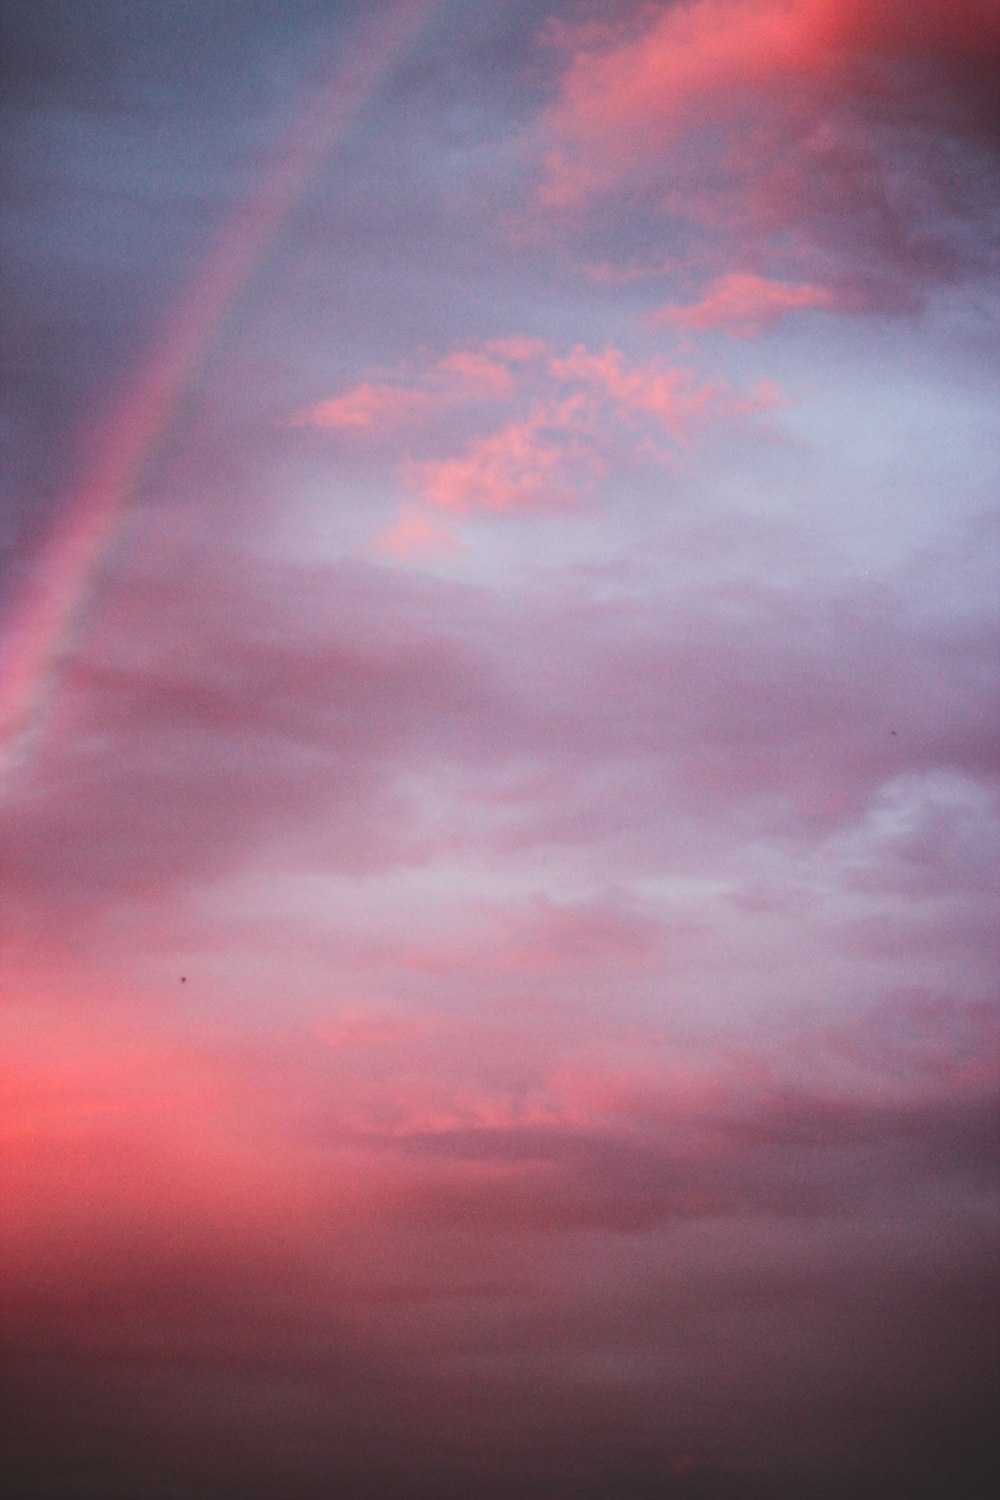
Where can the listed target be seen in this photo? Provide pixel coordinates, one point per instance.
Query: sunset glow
(499, 709)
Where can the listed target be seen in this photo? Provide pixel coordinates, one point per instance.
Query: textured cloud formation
(674, 65)
(824, 131)
(498, 936)
(779, 711)
(744, 304)
(571, 412)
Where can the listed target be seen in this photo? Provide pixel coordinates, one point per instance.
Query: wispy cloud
(744, 304)
(365, 405)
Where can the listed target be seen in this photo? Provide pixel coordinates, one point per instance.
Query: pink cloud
(201, 1106)
(526, 465)
(568, 415)
(517, 349)
(667, 393)
(212, 1215)
(434, 998)
(476, 373)
(566, 418)
(625, 95)
(255, 693)
(360, 1028)
(744, 304)
(630, 95)
(464, 374)
(816, 131)
(363, 406)
(415, 533)
(550, 938)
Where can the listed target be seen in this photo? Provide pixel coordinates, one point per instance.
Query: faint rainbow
(43, 617)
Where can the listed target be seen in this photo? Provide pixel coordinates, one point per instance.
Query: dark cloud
(799, 1294)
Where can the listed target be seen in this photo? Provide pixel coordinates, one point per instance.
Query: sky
(498, 749)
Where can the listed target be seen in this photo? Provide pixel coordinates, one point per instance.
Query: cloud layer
(499, 930)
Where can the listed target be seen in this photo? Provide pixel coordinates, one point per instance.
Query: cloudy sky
(499, 715)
